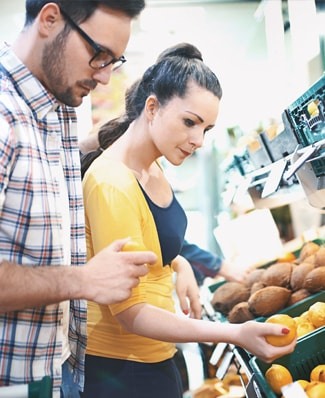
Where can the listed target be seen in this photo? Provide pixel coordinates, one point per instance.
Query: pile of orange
(311, 319)
(279, 376)
(298, 326)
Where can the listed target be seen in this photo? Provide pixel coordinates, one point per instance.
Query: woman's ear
(151, 106)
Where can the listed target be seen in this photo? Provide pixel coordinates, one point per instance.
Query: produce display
(278, 376)
(268, 290)
(305, 367)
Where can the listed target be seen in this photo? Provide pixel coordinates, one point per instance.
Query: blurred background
(265, 53)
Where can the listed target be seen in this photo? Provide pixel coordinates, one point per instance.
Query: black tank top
(171, 223)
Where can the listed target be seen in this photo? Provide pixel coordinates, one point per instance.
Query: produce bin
(258, 153)
(306, 118)
(309, 352)
(281, 145)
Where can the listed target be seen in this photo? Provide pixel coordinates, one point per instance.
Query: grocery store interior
(255, 192)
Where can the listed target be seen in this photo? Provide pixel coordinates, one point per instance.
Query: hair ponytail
(108, 133)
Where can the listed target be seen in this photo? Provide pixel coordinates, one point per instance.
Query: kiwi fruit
(278, 274)
(240, 313)
(228, 295)
(269, 300)
(257, 286)
(319, 259)
(298, 296)
(315, 280)
(254, 276)
(308, 249)
(298, 275)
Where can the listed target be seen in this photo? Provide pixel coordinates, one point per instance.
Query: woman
(131, 345)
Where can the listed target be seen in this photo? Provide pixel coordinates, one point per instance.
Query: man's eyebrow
(106, 49)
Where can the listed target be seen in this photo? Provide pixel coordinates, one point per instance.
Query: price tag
(293, 390)
(274, 178)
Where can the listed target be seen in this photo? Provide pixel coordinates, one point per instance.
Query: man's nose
(103, 76)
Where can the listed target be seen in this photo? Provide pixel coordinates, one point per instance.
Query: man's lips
(88, 87)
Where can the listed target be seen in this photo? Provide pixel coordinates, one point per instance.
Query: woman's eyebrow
(199, 117)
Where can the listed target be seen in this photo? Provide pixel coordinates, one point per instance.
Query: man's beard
(53, 65)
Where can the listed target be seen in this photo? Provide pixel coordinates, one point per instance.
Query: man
(64, 50)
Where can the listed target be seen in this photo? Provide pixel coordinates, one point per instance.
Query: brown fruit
(320, 257)
(284, 339)
(278, 274)
(254, 276)
(298, 296)
(315, 280)
(240, 313)
(307, 250)
(278, 376)
(269, 300)
(309, 259)
(298, 275)
(257, 286)
(228, 295)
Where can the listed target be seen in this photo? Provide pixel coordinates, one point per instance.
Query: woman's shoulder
(111, 173)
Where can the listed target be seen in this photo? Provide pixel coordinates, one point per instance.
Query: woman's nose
(197, 139)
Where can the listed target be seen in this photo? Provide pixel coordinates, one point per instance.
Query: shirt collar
(30, 88)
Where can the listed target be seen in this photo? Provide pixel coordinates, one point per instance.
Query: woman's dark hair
(169, 77)
(110, 131)
(81, 10)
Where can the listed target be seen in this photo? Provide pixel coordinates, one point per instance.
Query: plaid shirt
(34, 130)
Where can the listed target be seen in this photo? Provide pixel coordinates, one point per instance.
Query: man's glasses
(102, 57)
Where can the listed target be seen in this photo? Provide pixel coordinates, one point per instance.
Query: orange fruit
(304, 328)
(305, 316)
(303, 383)
(318, 373)
(278, 376)
(315, 390)
(133, 246)
(316, 314)
(285, 339)
(286, 257)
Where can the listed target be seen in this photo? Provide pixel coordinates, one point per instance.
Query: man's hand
(110, 276)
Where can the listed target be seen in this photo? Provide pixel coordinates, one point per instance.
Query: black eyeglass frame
(97, 47)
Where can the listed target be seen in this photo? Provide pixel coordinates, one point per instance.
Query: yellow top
(116, 208)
